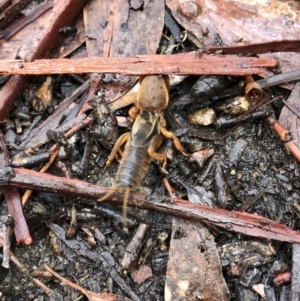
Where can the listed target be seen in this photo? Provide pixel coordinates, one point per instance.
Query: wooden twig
(241, 222)
(182, 64)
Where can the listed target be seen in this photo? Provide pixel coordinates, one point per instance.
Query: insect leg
(107, 195)
(176, 141)
(154, 144)
(122, 139)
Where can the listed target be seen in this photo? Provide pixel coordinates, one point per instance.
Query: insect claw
(164, 171)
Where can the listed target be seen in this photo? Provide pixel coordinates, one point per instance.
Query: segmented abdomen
(133, 167)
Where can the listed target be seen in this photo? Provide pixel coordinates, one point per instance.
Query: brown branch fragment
(54, 152)
(13, 201)
(183, 64)
(241, 222)
(274, 46)
(132, 250)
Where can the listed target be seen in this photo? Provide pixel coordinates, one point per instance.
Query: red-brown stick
(246, 223)
(183, 64)
(15, 209)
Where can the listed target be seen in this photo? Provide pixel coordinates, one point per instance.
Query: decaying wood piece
(13, 201)
(39, 136)
(181, 64)
(64, 13)
(241, 222)
(194, 269)
(28, 192)
(98, 25)
(132, 250)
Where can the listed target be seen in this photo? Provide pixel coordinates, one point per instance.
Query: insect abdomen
(133, 166)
